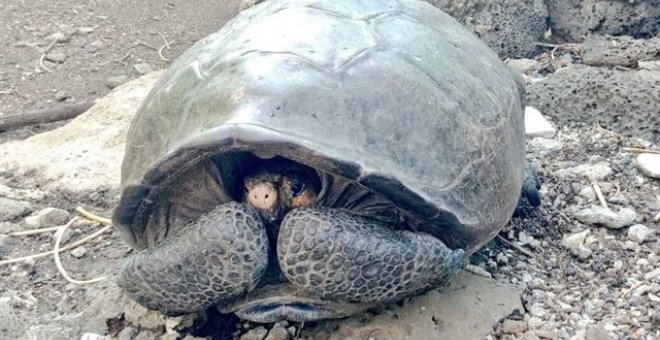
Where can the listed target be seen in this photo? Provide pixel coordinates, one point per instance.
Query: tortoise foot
(221, 255)
(337, 255)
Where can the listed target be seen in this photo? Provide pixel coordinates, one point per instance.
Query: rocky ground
(585, 266)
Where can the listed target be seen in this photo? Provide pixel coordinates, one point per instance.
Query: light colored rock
(61, 95)
(85, 30)
(639, 233)
(59, 37)
(597, 215)
(575, 243)
(536, 125)
(258, 333)
(650, 65)
(127, 333)
(481, 301)
(545, 144)
(85, 154)
(92, 336)
(278, 333)
(592, 172)
(116, 81)
(12, 208)
(514, 326)
(524, 65)
(649, 164)
(79, 252)
(56, 57)
(143, 68)
(47, 217)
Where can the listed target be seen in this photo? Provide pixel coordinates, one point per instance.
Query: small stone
(649, 65)
(92, 336)
(60, 95)
(513, 326)
(127, 333)
(575, 243)
(597, 215)
(543, 334)
(617, 199)
(65, 238)
(524, 65)
(525, 239)
(536, 125)
(85, 30)
(59, 37)
(292, 331)
(639, 233)
(592, 172)
(545, 144)
(597, 333)
(649, 165)
(258, 333)
(47, 217)
(56, 57)
(7, 244)
(143, 68)
(95, 45)
(11, 208)
(113, 82)
(79, 252)
(587, 192)
(278, 333)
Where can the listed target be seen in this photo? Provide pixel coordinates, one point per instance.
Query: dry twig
(43, 55)
(58, 263)
(88, 215)
(599, 194)
(517, 247)
(74, 245)
(65, 248)
(639, 150)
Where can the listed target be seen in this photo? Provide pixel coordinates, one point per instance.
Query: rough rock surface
(623, 101)
(619, 51)
(574, 19)
(510, 27)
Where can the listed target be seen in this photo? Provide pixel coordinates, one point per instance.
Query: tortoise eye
(297, 188)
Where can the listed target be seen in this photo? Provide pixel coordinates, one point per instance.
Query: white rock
(523, 65)
(46, 218)
(588, 193)
(92, 336)
(79, 252)
(545, 144)
(593, 172)
(143, 68)
(651, 65)
(649, 164)
(638, 233)
(575, 243)
(536, 125)
(597, 215)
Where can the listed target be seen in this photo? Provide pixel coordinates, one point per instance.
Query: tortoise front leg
(335, 254)
(220, 255)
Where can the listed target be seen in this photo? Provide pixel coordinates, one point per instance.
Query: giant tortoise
(315, 158)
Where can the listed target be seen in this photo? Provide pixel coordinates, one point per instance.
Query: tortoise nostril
(266, 196)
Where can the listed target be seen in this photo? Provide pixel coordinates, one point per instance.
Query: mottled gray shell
(395, 95)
